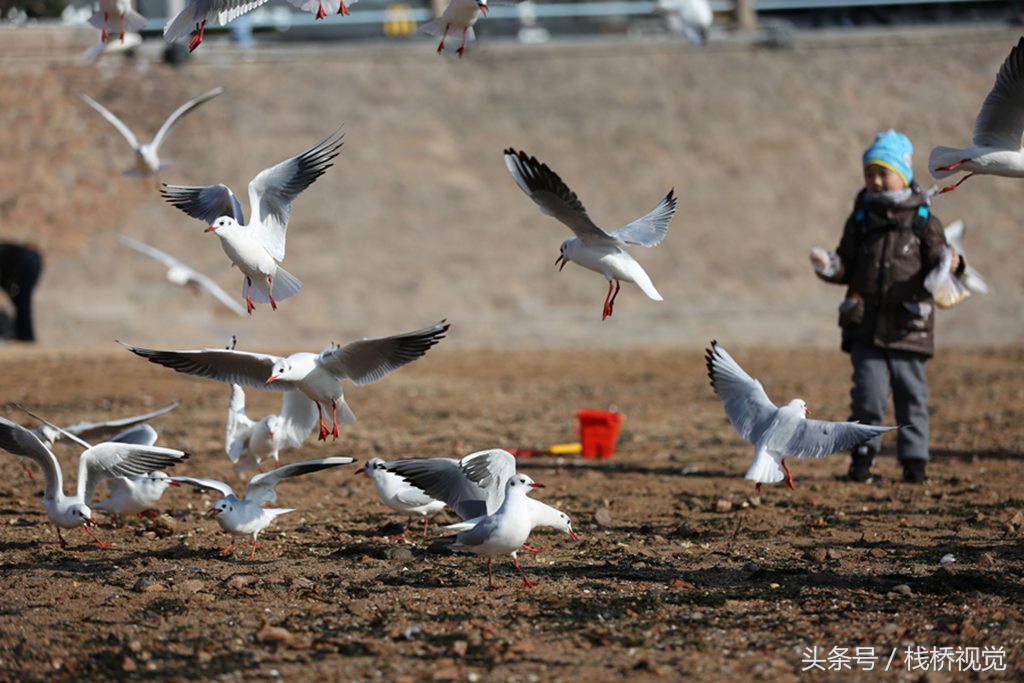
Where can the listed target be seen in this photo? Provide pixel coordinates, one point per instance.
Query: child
(890, 243)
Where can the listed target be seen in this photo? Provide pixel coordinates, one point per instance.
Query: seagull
(997, 147)
(777, 432)
(688, 18)
(246, 515)
(103, 461)
(257, 247)
(592, 247)
(399, 495)
(182, 275)
(472, 487)
(971, 278)
(147, 159)
(251, 443)
(317, 376)
(139, 494)
(123, 10)
(505, 531)
(541, 515)
(321, 8)
(458, 14)
(198, 12)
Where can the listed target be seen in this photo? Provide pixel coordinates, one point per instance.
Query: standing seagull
(183, 275)
(998, 130)
(505, 531)
(777, 432)
(125, 13)
(97, 463)
(147, 159)
(246, 515)
(399, 495)
(318, 376)
(250, 443)
(458, 14)
(257, 247)
(592, 247)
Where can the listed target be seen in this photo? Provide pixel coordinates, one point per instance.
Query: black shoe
(913, 471)
(860, 465)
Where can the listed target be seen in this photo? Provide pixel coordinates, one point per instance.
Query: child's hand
(821, 259)
(955, 263)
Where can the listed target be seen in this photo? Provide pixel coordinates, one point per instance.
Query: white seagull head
(224, 224)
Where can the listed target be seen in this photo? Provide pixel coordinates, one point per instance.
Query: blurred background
(758, 123)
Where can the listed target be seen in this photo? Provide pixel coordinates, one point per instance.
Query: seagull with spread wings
(103, 461)
(777, 432)
(257, 247)
(998, 137)
(593, 247)
(317, 376)
(147, 158)
(246, 515)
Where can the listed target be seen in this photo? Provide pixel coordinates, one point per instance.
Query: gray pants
(874, 371)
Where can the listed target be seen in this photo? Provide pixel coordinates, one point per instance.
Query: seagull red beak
(173, 483)
(91, 521)
(572, 535)
(213, 512)
(807, 411)
(271, 379)
(210, 229)
(535, 485)
(483, 7)
(561, 260)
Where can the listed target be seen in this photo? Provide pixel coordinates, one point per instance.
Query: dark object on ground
(860, 464)
(20, 267)
(914, 471)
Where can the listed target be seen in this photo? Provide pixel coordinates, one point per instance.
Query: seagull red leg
(950, 188)
(440, 47)
(952, 167)
(320, 13)
(462, 47)
(198, 37)
(324, 431)
(99, 543)
(103, 32)
(531, 550)
(789, 475)
(122, 28)
(28, 471)
(401, 536)
(60, 538)
(334, 432)
(252, 555)
(608, 297)
(343, 10)
(526, 582)
(227, 551)
(270, 291)
(490, 576)
(249, 305)
(611, 304)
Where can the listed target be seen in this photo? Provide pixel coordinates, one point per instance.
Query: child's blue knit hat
(893, 151)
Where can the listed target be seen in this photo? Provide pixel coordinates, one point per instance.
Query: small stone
(986, 560)
(834, 554)
(190, 586)
(460, 648)
(135, 646)
(877, 552)
(399, 554)
(523, 647)
(755, 501)
(603, 516)
(948, 558)
(128, 664)
(448, 673)
(153, 588)
(812, 501)
(1018, 519)
(722, 505)
(816, 555)
(902, 589)
(980, 517)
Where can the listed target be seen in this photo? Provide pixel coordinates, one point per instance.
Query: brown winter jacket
(884, 263)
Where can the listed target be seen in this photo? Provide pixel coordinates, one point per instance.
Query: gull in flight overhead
(246, 515)
(198, 12)
(777, 432)
(459, 14)
(317, 376)
(184, 276)
(257, 247)
(125, 13)
(997, 140)
(593, 247)
(147, 158)
(400, 495)
(103, 461)
(505, 531)
(321, 8)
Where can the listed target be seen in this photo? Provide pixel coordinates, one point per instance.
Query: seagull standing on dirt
(246, 515)
(541, 516)
(103, 461)
(998, 130)
(505, 531)
(125, 13)
(317, 376)
(777, 432)
(147, 158)
(257, 247)
(251, 443)
(459, 14)
(592, 247)
(183, 275)
(401, 496)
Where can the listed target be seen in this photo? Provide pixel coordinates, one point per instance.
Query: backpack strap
(920, 222)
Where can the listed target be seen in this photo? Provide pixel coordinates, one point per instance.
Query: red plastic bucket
(598, 431)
